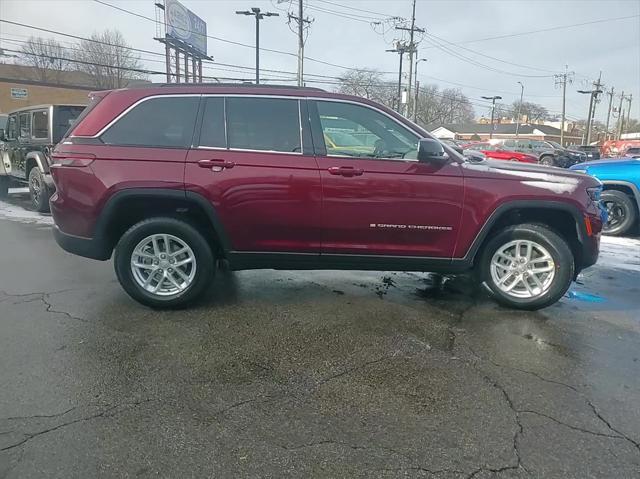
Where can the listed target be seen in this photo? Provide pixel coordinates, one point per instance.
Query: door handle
(347, 171)
(216, 163)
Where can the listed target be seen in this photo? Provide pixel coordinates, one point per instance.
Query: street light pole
(417, 87)
(493, 107)
(519, 109)
(256, 12)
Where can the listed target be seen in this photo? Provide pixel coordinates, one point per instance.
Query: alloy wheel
(35, 188)
(163, 265)
(616, 215)
(523, 269)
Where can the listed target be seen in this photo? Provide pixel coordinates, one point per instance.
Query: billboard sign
(184, 25)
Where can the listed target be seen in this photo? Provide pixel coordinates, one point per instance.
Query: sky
(457, 47)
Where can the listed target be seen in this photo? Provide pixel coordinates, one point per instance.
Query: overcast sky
(612, 47)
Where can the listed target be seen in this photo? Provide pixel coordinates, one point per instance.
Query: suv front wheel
(38, 190)
(527, 266)
(163, 262)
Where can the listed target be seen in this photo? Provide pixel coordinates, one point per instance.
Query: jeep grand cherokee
(175, 177)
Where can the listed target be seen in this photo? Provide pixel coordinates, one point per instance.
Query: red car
(498, 153)
(170, 179)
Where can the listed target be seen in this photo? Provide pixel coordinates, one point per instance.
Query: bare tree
(439, 107)
(368, 83)
(47, 57)
(109, 60)
(532, 111)
(434, 106)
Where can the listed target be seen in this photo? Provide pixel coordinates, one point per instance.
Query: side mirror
(430, 151)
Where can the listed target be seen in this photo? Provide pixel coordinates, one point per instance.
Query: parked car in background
(633, 152)
(548, 153)
(469, 153)
(617, 148)
(171, 178)
(4, 162)
(497, 152)
(592, 151)
(621, 195)
(31, 134)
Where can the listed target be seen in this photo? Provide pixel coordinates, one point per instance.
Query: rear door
(19, 148)
(377, 198)
(253, 161)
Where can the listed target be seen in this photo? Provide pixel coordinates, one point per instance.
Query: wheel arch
(553, 214)
(624, 186)
(35, 158)
(129, 206)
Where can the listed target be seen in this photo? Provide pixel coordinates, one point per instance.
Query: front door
(258, 171)
(377, 198)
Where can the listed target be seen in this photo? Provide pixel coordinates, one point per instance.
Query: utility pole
(417, 86)
(593, 99)
(629, 110)
(493, 107)
(259, 16)
(519, 108)
(301, 21)
(610, 93)
(563, 79)
(400, 49)
(598, 90)
(620, 116)
(412, 46)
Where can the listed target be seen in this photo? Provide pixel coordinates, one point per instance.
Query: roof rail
(214, 85)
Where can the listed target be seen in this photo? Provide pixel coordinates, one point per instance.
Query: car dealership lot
(298, 374)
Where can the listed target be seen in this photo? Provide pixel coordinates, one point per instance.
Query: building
(22, 86)
(477, 131)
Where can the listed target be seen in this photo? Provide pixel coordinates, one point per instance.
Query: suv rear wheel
(163, 262)
(38, 191)
(527, 266)
(621, 212)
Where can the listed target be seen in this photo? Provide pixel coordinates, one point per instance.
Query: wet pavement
(311, 374)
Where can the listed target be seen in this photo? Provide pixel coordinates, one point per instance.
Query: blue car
(621, 194)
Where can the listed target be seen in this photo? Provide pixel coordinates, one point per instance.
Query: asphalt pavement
(311, 374)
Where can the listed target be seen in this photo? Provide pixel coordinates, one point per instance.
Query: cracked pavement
(310, 374)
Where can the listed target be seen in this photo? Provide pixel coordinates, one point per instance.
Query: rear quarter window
(157, 122)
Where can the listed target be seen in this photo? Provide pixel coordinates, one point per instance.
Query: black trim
(242, 260)
(317, 136)
(110, 210)
(307, 142)
(87, 247)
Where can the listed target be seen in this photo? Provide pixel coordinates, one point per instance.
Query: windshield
(554, 144)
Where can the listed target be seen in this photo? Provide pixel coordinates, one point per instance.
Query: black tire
(204, 260)
(38, 191)
(557, 248)
(547, 160)
(4, 187)
(622, 212)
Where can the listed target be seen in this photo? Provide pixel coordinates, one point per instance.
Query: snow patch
(620, 253)
(22, 215)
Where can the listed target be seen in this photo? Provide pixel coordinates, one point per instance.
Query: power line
(549, 29)
(353, 8)
(491, 57)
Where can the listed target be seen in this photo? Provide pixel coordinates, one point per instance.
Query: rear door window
(12, 128)
(40, 124)
(265, 124)
(24, 125)
(158, 122)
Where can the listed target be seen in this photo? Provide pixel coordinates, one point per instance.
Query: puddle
(590, 298)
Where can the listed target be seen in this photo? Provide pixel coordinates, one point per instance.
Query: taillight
(72, 162)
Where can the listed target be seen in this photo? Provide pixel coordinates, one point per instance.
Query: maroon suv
(175, 177)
